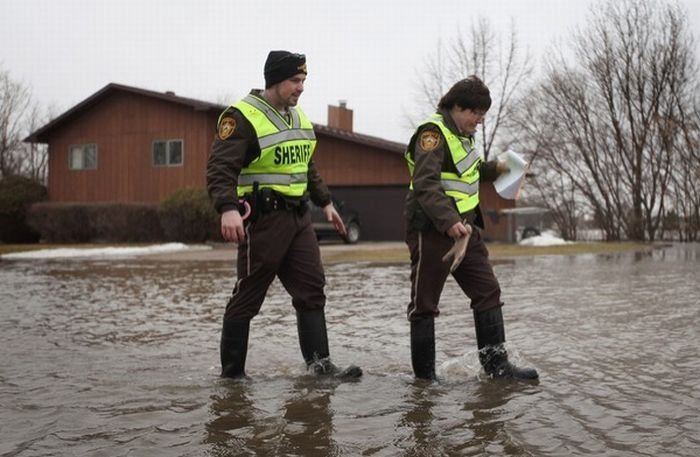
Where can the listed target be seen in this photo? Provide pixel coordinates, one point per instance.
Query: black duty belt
(268, 200)
(277, 202)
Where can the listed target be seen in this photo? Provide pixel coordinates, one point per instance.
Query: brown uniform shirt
(230, 155)
(428, 195)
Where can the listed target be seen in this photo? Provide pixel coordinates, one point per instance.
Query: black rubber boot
(423, 348)
(490, 336)
(313, 339)
(234, 348)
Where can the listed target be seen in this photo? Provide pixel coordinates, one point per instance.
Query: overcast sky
(367, 52)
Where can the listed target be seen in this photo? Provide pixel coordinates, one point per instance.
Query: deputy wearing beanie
(260, 176)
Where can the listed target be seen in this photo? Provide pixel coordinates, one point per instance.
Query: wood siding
(343, 163)
(124, 126)
(491, 204)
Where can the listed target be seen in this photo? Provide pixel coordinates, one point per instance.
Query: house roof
(359, 138)
(41, 135)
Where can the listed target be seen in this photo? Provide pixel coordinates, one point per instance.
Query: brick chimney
(340, 117)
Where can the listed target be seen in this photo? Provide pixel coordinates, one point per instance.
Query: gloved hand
(502, 167)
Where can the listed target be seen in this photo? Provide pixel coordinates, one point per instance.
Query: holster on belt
(253, 201)
(266, 200)
(420, 221)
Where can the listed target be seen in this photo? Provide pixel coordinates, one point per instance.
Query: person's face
(467, 119)
(289, 90)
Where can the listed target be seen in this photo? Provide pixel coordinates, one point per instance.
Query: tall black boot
(313, 339)
(490, 336)
(234, 348)
(423, 348)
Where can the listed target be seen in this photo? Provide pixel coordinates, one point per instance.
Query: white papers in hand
(508, 184)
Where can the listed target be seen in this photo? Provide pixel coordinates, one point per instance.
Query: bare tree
(34, 157)
(15, 102)
(614, 111)
(19, 116)
(686, 174)
(482, 52)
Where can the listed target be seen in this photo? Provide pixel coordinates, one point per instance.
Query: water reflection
(120, 358)
(309, 421)
(298, 421)
(419, 420)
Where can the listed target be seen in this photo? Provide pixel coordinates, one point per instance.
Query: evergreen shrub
(17, 195)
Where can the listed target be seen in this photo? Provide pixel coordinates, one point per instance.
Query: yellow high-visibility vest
(286, 149)
(462, 186)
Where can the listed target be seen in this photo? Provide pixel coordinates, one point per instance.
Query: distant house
(126, 144)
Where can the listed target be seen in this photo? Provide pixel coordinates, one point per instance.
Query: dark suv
(325, 229)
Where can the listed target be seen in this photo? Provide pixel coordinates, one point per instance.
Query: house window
(82, 157)
(167, 153)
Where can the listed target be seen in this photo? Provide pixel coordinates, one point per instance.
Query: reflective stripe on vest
(271, 179)
(462, 186)
(286, 149)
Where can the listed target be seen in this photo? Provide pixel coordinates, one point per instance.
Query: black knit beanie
(281, 65)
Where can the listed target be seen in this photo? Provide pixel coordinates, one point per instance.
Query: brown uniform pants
(280, 243)
(428, 273)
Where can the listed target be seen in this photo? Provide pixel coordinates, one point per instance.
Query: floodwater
(120, 358)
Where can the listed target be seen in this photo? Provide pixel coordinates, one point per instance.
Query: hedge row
(99, 222)
(186, 216)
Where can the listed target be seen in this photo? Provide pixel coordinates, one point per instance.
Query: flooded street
(119, 357)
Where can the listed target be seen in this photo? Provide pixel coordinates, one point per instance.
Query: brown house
(125, 144)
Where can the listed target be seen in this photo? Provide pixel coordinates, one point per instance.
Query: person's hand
(232, 226)
(502, 167)
(458, 250)
(458, 230)
(333, 216)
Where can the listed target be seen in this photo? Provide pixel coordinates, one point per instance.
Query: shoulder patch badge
(226, 127)
(429, 140)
